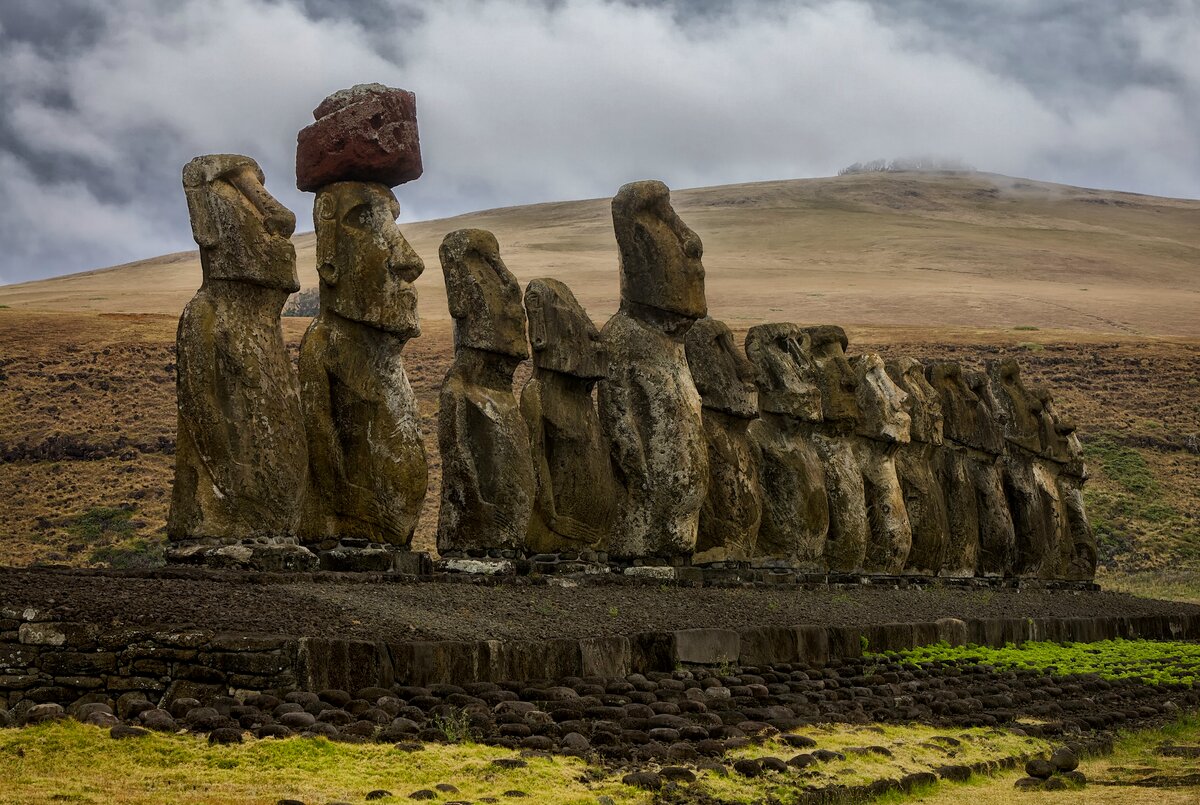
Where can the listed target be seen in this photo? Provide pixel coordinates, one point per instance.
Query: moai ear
(326, 223)
(535, 314)
(203, 229)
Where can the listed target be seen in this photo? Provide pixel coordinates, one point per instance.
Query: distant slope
(973, 250)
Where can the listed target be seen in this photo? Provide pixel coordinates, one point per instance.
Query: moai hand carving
(240, 460)
(849, 528)
(954, 468)
(649, 407)
(730, 516)
(1039, 521)
(795, 506)
(1063, 451)
(368, 470)
(883, 427)
(916, 462)
(573, 508)
(487, 472)
(997, 538)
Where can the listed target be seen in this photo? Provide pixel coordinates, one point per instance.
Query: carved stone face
(839, 384)
(923, 406)
(785, 371)
(960, 406)
(366, 266)
(660, 255)
(881, 402)
(484, 297)
(1018, 408)
(1059, 437)
(989, 428)
(723, 376)
(242, 230)
(563, 338)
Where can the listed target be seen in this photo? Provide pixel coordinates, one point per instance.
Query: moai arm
(625, 439)
(327, 473)
(460, 473)
(531, 410)
(198, 381)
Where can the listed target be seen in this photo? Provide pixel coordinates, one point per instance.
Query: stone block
(73, 663)
(707, 646)
(430, 662)
(80, 682)
(343, 664)
(260, 663)
(605, 656)
(769, 645)
(76, 635)
(17, 657)
(652, 651)
(367, 133)
(244, 642)
(813, 644)
(537, 659)
(845, 642)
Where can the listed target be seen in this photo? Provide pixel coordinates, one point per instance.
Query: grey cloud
(527, 100)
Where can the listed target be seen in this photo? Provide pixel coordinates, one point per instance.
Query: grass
(1179, 585)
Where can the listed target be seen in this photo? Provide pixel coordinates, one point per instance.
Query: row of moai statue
(655, 440)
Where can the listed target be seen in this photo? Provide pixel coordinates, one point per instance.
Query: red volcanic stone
(367, 133)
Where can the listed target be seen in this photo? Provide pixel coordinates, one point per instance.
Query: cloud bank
(522, 101)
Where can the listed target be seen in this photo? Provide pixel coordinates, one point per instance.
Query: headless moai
(795, 506)
(573, 507)
(649, 407)
(367, 464)
(849, 527)
(487, 472)
(1064, 452)
(883, 427)
(916, 465)
(1039, 522)
(730, 516)
(997, 538)
(240, 460)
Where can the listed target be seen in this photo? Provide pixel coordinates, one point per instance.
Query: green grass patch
(103, 522)
(1025, 327)
(1031, 346)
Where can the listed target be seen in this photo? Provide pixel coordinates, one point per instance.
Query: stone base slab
(270, 556)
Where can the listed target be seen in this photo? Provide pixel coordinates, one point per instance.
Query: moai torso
(954, 468)
(884, 426)
(1063, 453)
(487, 472)
(649, 408)
(368, 470)
(849, 528)
(916, 467)
(732, 511)
(997, 537)
(240, 459)
(795, 506)
(573, 507)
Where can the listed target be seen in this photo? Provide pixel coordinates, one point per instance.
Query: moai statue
(573, 507)
(916, 463)
(1061, 447)
(730, 516)
(649, 407)
(883, 427)
(959, 407)
(834, 438)
(997, 538)
(795, 506)
(367, 466)
(487, 471)
(240, 457)
(1039, 521)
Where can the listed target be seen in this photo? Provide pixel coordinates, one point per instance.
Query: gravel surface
(397, 611)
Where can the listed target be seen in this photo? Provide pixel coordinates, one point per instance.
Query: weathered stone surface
(573, 508)
(240, 459)
(883, 427)
(1063, 455)
(730, 516)
(367, 465)
(997, 538)
(367, 133)
(953, 469)
(795, 508)
(924, 498)
(487, 471)
(649, 408)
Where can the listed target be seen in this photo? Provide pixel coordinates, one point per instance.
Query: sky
(521, 101)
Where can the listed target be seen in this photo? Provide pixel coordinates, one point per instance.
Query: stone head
(242, 230)
(785, 370)
(923, 406)
(660, 255)
(1019, 410)
(723, 375)
(989, 428)
(563, 337)
(483, 295)
(839, 384)
(960, 406)
(1060, 439)
(881, 402)
(366, 266)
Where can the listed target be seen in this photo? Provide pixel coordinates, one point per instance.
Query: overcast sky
(519, 101)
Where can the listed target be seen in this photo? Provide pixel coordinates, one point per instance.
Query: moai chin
(649, 407)
(240, 460)
(834, 439)
(487, 471)
(1039, 521)
(959, 407)
(730, 516)
(916, 465)
(884, 425)
(795, 506)
(573, 505)
(1061, 447)
(997, 537)
(367, 464)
